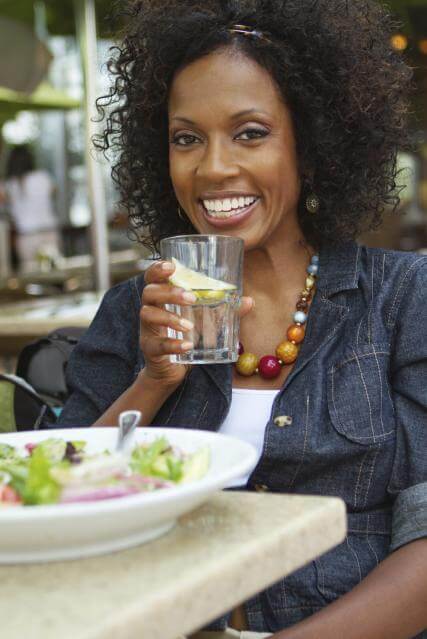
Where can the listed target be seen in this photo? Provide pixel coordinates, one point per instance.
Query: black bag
(43, 363)
(20, 406)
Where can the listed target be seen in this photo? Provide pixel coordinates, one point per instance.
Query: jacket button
(261, 488)
(283, 420)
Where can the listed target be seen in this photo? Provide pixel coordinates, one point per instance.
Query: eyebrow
(235, 116)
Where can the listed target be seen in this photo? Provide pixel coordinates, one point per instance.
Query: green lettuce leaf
(40, 487)
(18, 471)
(6, 451)
(149, 459)
(52, 448)
(79, 445)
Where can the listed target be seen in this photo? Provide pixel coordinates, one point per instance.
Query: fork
(128, 421)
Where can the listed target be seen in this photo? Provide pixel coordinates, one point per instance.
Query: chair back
(21, 408)
(43, 364)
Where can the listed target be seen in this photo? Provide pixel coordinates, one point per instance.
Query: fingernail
(186, 346)
(166, 266)
(253, 303)
(186, 324)
(189, 297)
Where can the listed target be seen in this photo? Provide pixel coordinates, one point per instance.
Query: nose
(217, 162)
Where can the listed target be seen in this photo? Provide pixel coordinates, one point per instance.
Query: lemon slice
(202, 285)
(209, 296)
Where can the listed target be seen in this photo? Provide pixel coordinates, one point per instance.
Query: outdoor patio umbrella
(31, 58)
(45, 97)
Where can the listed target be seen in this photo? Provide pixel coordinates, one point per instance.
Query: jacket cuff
(409, 516)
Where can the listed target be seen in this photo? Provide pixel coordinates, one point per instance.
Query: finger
(159, 272)
(246, 305)
(152, 316)
(158, 346)
(160, 294)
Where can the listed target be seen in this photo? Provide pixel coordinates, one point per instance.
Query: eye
(252, 134)
(183, 139)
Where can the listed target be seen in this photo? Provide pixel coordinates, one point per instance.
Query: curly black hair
(333, 62)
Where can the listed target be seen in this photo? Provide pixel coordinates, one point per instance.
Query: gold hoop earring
(312, 204)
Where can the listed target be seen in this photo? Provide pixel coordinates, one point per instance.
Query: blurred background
(61, 248)
(53, 67)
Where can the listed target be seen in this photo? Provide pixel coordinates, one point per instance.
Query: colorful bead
(296, 333)
(310, 282)
(269, 367)
(287, 352)
(300, 317)
(247, 364)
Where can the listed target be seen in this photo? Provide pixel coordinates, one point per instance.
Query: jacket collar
(339, 268)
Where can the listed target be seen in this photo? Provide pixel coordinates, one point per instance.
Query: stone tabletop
(218, 556)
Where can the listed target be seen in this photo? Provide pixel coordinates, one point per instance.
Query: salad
(56, 471)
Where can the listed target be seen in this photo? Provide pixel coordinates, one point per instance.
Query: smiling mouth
(230, 207)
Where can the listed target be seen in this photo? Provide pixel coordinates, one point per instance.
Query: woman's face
(232, 155)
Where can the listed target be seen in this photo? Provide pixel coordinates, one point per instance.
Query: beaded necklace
(269, 366)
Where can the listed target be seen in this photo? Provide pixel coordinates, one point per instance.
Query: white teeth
(222, 208)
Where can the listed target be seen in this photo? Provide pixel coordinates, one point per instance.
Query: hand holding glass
(210, 266)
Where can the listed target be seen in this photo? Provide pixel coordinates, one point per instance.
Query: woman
(28, 193)
(299, 107)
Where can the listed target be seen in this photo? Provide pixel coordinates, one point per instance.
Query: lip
(228, 222)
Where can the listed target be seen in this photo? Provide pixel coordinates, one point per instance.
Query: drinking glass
(215, 313)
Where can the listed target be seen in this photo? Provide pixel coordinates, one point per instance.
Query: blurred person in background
(28, 192)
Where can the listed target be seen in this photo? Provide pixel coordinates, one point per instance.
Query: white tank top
(248, 416)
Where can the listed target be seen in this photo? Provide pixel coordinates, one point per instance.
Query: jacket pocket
(359, 400)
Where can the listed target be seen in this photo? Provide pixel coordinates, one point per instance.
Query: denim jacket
(357, 399)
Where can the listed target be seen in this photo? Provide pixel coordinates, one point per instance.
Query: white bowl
(31, 534)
